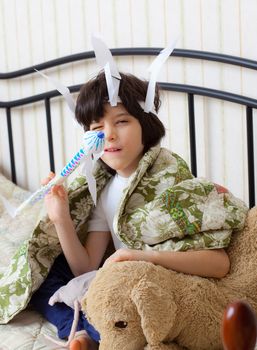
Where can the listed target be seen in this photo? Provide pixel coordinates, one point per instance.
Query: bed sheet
(27, 331)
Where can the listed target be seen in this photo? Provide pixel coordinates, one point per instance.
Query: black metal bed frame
(190, 90)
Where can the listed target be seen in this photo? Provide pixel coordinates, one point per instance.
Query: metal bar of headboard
(202, 91)
(11, 148)
(192, 139)
(188, 89)
(136, 51)
(250, 155)
(49, 134)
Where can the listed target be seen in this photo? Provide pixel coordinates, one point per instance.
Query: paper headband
(105, 60)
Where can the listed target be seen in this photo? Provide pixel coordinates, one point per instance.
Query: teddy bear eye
(121, 324)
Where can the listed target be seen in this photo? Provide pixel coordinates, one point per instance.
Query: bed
(27, 329)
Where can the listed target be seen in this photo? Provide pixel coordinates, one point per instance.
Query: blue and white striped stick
(93, 144)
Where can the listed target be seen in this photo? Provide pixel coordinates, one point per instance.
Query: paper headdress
(105, 60)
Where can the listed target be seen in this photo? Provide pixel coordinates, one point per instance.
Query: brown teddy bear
(137, 305)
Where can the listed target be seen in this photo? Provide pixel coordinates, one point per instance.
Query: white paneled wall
(34, 31)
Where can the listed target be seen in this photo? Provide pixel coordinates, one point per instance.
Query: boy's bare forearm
(205, 263)
(81, 258)
(75, 253)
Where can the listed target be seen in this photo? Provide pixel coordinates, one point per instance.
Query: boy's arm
(81, 258)
(205, 263)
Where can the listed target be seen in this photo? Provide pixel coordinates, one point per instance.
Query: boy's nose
(110, 134)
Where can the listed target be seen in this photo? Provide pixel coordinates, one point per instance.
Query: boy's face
(123, 139)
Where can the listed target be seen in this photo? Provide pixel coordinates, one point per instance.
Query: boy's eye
(96, 127)
(122, 121)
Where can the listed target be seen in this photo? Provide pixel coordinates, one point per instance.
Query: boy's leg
(82, 341)
(88, 340)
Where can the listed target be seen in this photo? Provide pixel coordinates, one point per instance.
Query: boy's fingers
(48, 178)
(61, 191)
(58, 190)
(45, 181)
(55, 189)
(51, 175)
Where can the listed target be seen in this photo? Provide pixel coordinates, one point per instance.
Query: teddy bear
(137, 305)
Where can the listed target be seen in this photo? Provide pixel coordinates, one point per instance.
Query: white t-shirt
(103, 213)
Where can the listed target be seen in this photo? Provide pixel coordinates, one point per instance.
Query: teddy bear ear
(156, 308)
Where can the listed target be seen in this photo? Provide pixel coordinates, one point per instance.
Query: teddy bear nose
(121, 324)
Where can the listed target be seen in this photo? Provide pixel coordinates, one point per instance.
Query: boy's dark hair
(93, 95)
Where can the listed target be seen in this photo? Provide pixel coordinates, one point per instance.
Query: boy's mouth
(112, 149)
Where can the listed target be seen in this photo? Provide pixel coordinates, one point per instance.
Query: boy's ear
(156, 308)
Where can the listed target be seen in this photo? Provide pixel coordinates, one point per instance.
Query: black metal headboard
(190, 90)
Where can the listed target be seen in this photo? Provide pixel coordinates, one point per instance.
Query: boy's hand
(124, 254)
(56, 202)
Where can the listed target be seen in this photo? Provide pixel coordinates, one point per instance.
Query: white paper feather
(103, 58)
(154, 69)
(64, 91)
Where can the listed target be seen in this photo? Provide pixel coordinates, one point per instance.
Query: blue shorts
(60, 314)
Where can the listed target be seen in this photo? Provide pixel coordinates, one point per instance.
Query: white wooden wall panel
(248, 48)
(33, 31)
(233, 114)
(213, 109)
